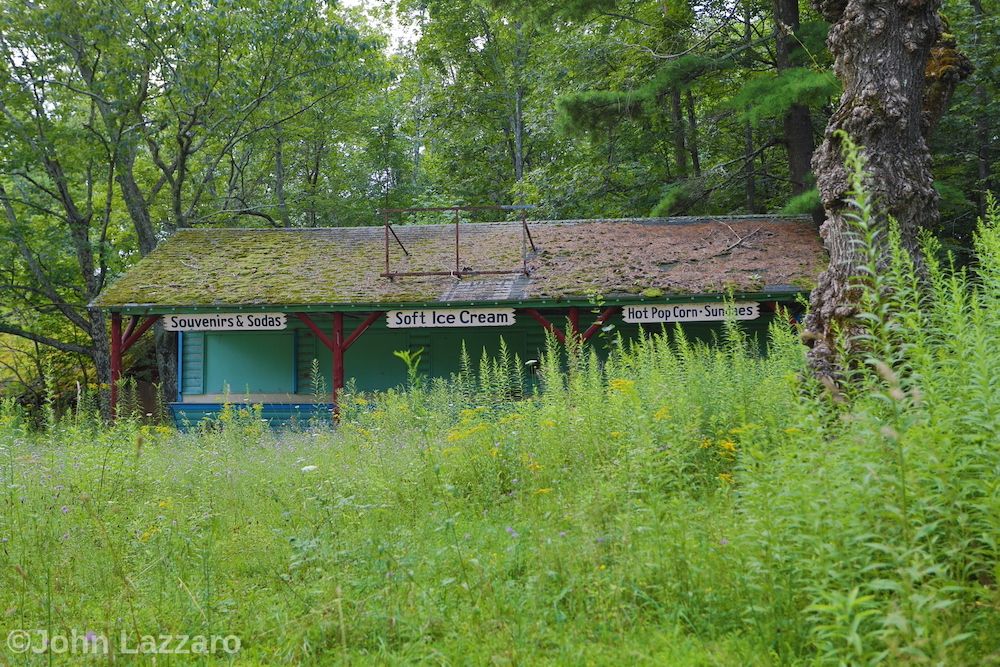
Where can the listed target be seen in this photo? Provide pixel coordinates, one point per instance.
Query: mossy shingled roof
(574, 260)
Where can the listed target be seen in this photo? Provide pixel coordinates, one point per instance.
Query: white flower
(308, 468)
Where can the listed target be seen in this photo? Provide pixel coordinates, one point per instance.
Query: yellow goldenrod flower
(661, 414)
(727, 445)
(622, 385)
(726, 477)
(148, 534)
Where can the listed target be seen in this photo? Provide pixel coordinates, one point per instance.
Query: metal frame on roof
(459, 271)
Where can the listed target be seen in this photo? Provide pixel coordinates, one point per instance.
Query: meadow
(681, 504)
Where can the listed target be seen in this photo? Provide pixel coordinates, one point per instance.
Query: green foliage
(802, 204)
(658, 504)
(769, 96)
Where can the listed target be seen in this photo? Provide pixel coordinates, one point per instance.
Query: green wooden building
(255, 310)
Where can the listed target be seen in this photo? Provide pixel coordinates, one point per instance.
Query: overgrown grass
(680, 504)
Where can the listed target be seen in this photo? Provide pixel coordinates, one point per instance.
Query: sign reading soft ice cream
(226, 322)
(690, 312)
(470, 317)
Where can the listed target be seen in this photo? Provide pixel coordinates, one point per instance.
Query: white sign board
(470, 317)
(225, 322)
(690, 312)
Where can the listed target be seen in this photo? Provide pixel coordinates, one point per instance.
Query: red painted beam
(338, 351)
(338, 361)
(601, 319)
(370, 320)
(130, 327)
(316, 330)
(116, 360)
(574, 321)
(130, 339)
(548, 326)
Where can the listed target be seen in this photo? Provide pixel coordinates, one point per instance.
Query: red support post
(574, 321)
(601, 319)
(338, 360)
(116, 360)
(130, 337)
(130, 327)
(323, 338)
(548, 326)
(363, 327)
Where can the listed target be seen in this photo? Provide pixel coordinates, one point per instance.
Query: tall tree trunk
(693, 134)
(313, 179)
(279, 180)
(798, 129)
(134, 200)
(517, 128)
(750, 176)
(677, 118)
(881, 51)
(100, 353)
(983, 136)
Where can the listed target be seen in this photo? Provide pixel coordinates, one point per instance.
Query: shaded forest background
(122, 122)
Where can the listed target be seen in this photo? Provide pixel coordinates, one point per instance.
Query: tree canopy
(123, 122)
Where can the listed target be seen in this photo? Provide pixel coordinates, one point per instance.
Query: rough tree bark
(882, 52)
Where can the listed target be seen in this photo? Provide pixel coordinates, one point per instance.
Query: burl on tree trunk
(883, 56)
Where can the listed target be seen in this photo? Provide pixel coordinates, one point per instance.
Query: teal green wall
(249, 362)
(279, 362)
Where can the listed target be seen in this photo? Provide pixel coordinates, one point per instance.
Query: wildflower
(621, 385)
(602, 566)
(495, 452)
(65, 510)
(548, 423)
(727, 446)
(309, 468)
(166, 503)
(726, 477)
(148, 534)
(723, 542)
(512, 417)
(90, 637)
(513, 533)
(615, 435)
(661, 414)
(706, 443)
(543, 491)
(469, 413)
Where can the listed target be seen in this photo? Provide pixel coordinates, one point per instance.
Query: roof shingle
(658, 257)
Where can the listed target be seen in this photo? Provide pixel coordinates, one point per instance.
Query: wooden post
(116, 360)
(338, 360)
(574, 321)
